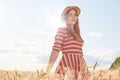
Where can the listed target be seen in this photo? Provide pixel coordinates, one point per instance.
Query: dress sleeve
(58, 39)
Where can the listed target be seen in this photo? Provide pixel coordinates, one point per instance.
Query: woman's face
(72, 17)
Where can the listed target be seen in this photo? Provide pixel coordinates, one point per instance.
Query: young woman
(69, 41)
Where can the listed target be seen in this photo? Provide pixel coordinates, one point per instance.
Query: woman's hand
(49, 68)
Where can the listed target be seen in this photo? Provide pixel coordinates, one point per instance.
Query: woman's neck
(71, 27)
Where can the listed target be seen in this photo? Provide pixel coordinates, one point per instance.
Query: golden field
(40, 75)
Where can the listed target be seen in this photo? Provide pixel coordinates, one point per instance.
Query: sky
(28, 28)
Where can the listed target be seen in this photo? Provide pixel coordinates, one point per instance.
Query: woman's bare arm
(53, 57)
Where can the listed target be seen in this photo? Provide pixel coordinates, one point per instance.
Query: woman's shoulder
(62, 29)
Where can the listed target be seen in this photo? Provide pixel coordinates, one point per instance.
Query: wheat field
(41, 75)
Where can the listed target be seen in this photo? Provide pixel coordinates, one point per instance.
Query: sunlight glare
(55, 20)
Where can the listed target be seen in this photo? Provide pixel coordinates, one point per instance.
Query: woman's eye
(76, 15)
(72, 15)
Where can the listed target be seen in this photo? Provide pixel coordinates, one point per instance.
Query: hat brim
(77, 9)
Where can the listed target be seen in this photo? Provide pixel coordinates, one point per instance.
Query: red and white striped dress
(72, 55)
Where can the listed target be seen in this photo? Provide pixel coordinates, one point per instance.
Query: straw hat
(77, 9)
